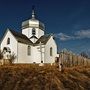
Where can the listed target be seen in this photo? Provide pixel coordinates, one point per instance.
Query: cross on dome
(33, 12)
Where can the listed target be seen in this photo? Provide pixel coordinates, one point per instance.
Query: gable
(5, 34)
(18, 36)
(12, 41)
(51, 41)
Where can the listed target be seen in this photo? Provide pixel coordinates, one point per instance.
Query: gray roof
(33, 37)
(43, 39)
(24, 39)
(21, 37)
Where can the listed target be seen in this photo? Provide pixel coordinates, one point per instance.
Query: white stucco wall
(12, 45)
(23, 57)
(50, 43)
(38, 57)
(40, 33)
(28, 32)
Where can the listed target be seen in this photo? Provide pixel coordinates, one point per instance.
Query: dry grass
(33, 77)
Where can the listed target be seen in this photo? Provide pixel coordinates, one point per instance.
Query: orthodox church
(30, 46)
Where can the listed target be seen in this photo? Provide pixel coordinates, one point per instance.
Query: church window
(51, 51)
(29, 50)
(33, 31)
(8, 41)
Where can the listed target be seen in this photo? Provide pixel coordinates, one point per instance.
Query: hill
(33, 77)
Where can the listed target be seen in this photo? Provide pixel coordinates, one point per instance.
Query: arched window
(51, 51)
(33, 31)
(29, 50)
(8, 41)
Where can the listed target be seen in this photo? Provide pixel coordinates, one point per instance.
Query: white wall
(40, 33)
(36, 54)
(23, 57)
(12, 45)
(50, 43)
(28, 32)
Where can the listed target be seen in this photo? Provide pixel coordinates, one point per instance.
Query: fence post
(77, 60)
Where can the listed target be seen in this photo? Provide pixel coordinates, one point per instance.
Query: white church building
(30, 46)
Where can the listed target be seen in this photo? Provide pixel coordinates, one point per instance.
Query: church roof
(21, 37)
(24, 39)
(43, 39)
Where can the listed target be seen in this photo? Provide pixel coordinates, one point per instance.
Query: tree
(83, 54)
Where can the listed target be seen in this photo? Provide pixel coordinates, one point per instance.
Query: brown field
(33, 77)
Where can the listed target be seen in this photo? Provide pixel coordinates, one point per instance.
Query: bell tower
(33, 28)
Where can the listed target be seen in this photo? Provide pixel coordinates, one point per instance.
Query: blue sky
(68, 20)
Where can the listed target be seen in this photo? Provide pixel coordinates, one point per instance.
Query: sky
(68, 20)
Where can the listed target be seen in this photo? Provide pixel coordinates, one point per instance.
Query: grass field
(33, 77)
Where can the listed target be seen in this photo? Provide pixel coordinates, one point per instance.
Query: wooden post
(59, 64)
(41, 51)
(77, 60)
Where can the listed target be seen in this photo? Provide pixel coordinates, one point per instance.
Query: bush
(1, 55)
(12, 58)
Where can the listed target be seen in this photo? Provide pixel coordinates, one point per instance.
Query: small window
(50, 51)
(8, 41)
(29, 50)
(33, 31)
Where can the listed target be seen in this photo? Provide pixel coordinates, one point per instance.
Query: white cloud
(77, 35)
(63, 37)
(83, 34)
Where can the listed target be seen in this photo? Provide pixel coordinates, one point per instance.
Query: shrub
(1, 55)
(12, 58)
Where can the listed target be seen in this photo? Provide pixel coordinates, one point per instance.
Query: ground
(33, 77)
